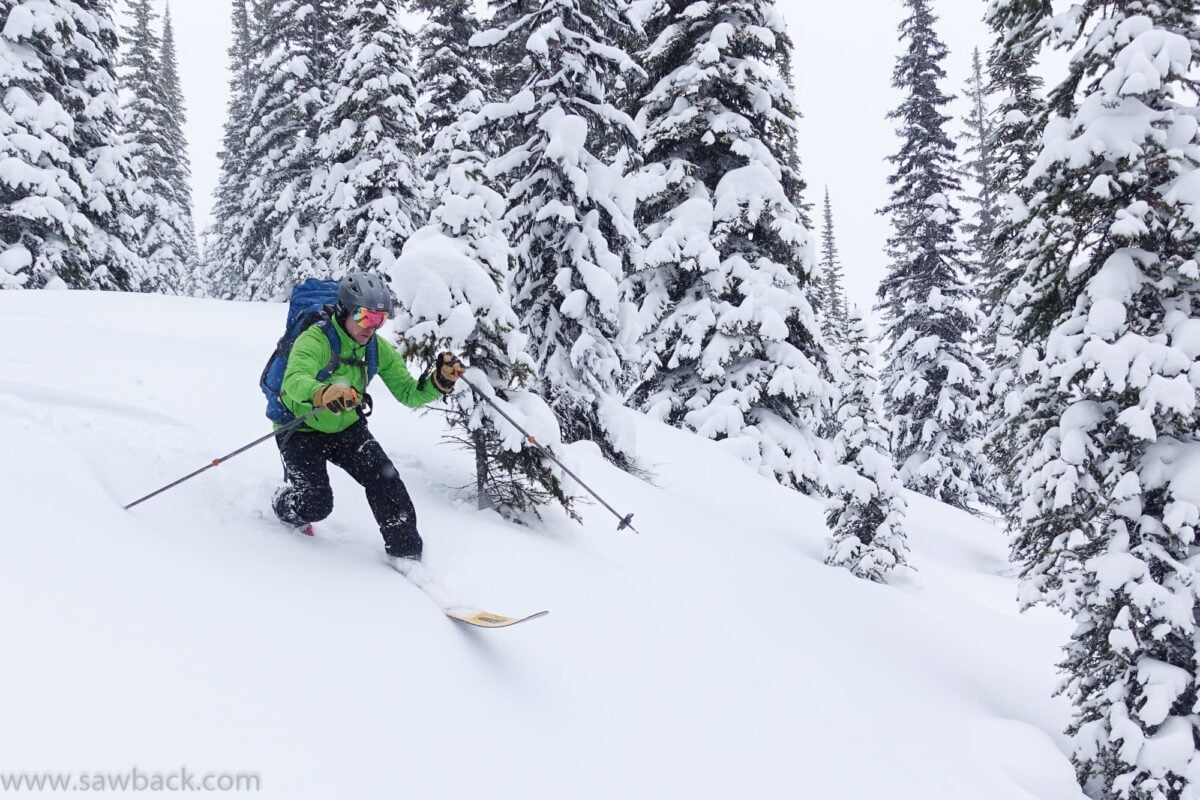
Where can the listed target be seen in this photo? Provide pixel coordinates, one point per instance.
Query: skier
(339, 433)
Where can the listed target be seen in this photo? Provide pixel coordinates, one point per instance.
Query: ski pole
(216, 462)
(625, 521)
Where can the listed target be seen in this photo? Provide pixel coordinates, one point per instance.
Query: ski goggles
(369, 317)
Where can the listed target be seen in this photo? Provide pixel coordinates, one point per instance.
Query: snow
(1113, 570)
(15, 257)
(1185, 337)
(20, 23)
(440, 287)
(1171, 749)
(1164, 685)
(1106, 317)
(712, 655)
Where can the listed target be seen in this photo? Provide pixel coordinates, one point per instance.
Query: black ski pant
(307, 496)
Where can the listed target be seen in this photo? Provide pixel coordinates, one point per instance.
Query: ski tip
(486, 619)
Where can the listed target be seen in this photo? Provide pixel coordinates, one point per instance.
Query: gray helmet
(364, 289)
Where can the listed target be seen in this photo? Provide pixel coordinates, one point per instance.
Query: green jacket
(311, 352)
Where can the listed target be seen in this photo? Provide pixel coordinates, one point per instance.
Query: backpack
(312, 303)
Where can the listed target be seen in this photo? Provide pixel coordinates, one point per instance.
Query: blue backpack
(312, 303)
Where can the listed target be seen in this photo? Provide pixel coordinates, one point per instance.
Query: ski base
(485, 619)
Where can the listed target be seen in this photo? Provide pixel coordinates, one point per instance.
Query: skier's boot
(406, 565)
(284, 514)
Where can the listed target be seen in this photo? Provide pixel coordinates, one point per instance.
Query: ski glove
(446, 371)
(335, 398)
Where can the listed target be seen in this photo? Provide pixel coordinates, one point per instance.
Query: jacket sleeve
(310, 353)
(400, 381)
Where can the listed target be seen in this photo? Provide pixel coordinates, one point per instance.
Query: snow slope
(712, 655)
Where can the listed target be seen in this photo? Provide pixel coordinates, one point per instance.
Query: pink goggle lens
(369, 317)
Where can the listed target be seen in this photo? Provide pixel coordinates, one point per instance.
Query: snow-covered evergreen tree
(37, 189)
(866, 510)
(1015, 125)
(449, 70)
(366, 193)
(293, 60)
(569, 211)
(830, 292)
(732, 345)
(985, 257)
(503, 59)
(1103, 406)
(107, 175)
(453, 274)
(68, 185)
(1019, 32)
(451, 281)
(930, 383)
(628, 33)
(785, 139)
(1018, 35)
(224, 271)
(178, 165)
(1109, 358)
(154, 131)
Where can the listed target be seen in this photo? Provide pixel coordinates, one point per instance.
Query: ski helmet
(364, 289)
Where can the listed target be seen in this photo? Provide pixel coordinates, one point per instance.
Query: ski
(419, 577)
(484, 619)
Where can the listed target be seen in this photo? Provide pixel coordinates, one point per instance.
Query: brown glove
(446, 371)
(335, 398)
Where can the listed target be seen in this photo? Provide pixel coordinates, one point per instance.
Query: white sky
(844, 56)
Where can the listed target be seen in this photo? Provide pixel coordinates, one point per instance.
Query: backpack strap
(372, 358)
(335, 353)
(335, 349)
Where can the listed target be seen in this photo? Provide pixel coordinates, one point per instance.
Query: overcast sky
(844, 56)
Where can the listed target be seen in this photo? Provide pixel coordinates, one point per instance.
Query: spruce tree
(831, 293)
(178, 167)
(503, 59)
(512, 476)
(158, 148)
(67, 194)
(449, 70)
(1018, 32)
(108, 176)
(786, 133)
(1017, 37)
(1106, 390)
(867, 510)
(732, 345)
(451, 280)
(1016, 122)
(930, 383)
(37, 231)
(629, 85)
(569, 211)
(367, 197)
(292, 62)
(224, 271)
(984, 255)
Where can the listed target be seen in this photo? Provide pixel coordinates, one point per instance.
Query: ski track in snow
(712, 655)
